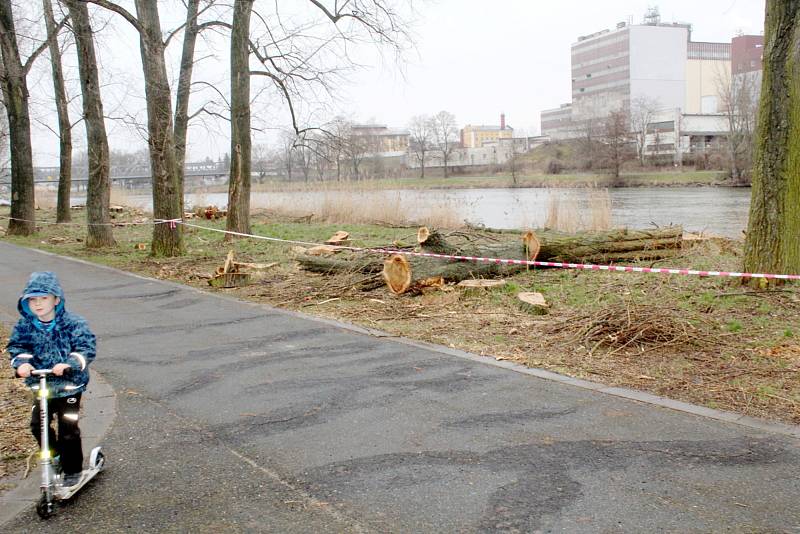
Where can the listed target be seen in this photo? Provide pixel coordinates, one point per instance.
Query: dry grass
(574, 211)
(363, 205)
(16, 442)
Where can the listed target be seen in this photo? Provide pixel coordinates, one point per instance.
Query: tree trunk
(184, 92)
(98, 195)
(773, 232)
(167, 201)
(600, 247)
(63, 213)
(239, 184)
(15, 94)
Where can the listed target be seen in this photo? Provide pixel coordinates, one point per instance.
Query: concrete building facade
(556, 123)
(610, 68)
(708, 69)
(654, 60)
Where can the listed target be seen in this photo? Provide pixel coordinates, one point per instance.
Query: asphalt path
(237, 417)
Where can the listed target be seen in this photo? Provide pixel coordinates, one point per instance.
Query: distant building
(557, 123)
(476, 136)
(381, 140)
(674, 135)
(708, 70)
(747, 56)
(655, 60)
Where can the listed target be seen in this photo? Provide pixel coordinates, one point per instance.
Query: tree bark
(773, 232)
(167, 201)
(239, 184)
(63, 212)
(602, 247)
(15, 94)
(98, 195)
(184, 92)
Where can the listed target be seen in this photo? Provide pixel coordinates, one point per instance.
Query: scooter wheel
(99, 460)
(44, 508)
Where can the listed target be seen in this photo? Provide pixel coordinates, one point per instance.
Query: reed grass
(573, 211)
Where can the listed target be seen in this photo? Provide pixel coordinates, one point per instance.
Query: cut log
(323, 250)
(397, 273)
(532, 302)
(341, 265)
(338, 238)
(532, 245)
(601, 247)
(482, 283)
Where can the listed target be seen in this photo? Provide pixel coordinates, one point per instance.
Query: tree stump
(532, 302)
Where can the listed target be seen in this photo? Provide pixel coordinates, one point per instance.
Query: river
(715, 210)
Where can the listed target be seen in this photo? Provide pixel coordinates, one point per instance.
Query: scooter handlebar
(40, 372)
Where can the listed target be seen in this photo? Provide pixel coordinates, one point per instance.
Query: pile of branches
(641, 327)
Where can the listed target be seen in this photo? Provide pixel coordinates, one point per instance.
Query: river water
(716, 210)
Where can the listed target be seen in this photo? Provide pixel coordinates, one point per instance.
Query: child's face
(44, 307)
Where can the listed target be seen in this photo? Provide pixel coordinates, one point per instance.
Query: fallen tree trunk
(545, 245)
(352, 263)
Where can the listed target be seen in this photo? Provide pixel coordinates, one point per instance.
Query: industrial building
(656, 62)
(477, 136)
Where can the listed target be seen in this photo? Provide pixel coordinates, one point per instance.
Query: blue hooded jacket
(65, 339)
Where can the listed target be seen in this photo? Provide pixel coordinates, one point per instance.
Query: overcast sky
(474, 58)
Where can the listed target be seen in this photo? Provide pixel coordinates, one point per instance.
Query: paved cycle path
(236, 417)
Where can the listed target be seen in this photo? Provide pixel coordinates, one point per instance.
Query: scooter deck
(62, 494)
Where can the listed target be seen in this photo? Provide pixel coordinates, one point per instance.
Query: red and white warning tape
(501, 261)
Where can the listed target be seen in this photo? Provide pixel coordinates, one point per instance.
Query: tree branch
(194, 20)
(29, 63)
(118, 10)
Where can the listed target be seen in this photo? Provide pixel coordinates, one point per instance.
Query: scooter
(52, 486)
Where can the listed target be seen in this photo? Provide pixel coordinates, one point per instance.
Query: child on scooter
(47, 336)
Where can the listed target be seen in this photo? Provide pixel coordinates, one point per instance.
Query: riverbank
(708, 341)
(637, 179)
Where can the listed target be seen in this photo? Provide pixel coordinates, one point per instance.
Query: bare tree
(774, 224)
(16, 96)
(63, 212)
(305, 153)
(589, 132)
(296, 60)
(261, 155)
(98, 196)
(739, 103)
(191, 29)
(239, 184)
(337, 137)
(642, 110)
(420, 140)
(445, 135)
(286, 153)
(167, 201)
(616, 138)
(356, 147)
